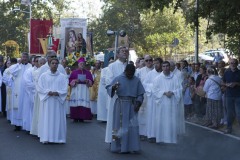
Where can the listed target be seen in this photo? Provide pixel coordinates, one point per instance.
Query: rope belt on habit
(123, 98)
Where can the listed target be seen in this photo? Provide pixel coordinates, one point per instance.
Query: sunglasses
(233, 63)
(148, 60)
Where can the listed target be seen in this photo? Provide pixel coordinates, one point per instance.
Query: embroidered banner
(39, 29)
(73, 36)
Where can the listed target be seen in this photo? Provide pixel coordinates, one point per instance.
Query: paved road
(85, 141)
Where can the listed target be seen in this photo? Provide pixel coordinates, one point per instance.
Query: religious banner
(73, 37)
(90, 43)
(39, 30)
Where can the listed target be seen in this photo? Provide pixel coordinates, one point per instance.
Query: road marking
(213, 130)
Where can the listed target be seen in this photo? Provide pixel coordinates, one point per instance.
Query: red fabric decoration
(39, 29)
(55, 45)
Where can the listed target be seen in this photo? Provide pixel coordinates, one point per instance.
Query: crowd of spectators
(211, 93)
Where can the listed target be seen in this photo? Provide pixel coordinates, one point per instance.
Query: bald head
(41, 61)
(148, 61)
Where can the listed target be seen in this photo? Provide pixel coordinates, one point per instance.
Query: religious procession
(147, 101)
(147, 98)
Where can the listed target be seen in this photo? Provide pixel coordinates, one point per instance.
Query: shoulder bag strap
(216, 82)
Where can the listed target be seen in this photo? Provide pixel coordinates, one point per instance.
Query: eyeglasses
(233, 63)
(148, 60)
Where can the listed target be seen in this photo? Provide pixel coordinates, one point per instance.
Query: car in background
(202, 59)
(191, 59)
(205, 57)
(209, 55)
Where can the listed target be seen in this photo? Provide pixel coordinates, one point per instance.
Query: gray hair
(212, 70)
(50, 52)
(42, 59)
(25, 54)
(120, 48)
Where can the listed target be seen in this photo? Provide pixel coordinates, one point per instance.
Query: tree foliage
(161, 27)
(150, 32)
(117, 16)
(15, 25)
(222, 16)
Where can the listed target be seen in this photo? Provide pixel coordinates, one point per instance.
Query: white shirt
(212, 89)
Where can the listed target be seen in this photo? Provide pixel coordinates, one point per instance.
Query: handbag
(200, 92)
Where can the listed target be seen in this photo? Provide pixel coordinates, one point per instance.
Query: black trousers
(3, 96)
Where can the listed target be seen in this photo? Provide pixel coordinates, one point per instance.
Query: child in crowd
(188, 93)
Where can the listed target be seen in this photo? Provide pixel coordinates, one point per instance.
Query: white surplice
(181, 124)
(114, 70)
(52, 116)
(7, 80)
(151, 107)
(142, 113)
(102, 97)
(36, 74)
(46, 67)
(34, 124)
(29, 99)
(18, 92)
(167, 118)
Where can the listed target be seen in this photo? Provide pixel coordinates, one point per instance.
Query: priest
(52, 89)
(16, 72)
(115, 69)
(151, 107)
(80, 80)
(167, 91)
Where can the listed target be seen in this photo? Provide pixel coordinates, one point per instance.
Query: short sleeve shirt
(229, 77)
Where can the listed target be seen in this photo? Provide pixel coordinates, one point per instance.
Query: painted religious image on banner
(73, 39)
(75, 43)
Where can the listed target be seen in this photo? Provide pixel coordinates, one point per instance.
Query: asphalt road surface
(85, 141)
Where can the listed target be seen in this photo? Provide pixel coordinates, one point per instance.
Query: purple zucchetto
(82, 59)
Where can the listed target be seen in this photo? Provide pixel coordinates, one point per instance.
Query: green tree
(117, 15)
(154, 33)
(161, 27)
(222, 16)
(15, 25)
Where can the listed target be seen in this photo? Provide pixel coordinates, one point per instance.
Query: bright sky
(85, 8)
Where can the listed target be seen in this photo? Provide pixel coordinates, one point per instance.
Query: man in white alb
(114, 70)
(17, 71)
(142, 113)
(52, 89)
(151, 107)
(167, 92)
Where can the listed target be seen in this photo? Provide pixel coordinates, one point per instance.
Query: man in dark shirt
(3, 87)
(231, 81)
